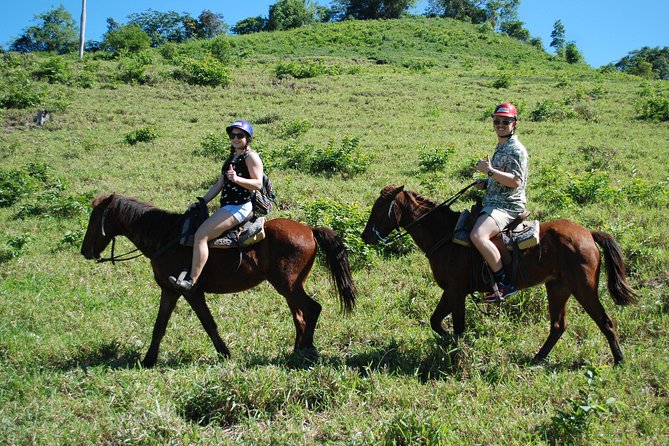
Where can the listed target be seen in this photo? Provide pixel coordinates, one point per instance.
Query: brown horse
(284, 258)
(567, 261)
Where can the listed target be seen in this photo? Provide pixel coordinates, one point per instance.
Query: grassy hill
(402, 102)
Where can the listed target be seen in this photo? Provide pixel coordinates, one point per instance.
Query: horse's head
(385, 215)
(99, 232)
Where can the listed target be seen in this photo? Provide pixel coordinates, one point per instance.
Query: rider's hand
(481, 184)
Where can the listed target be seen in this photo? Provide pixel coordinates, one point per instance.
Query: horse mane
(145, 217)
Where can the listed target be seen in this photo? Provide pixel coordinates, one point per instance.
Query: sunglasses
(502, 121)
(237, 135)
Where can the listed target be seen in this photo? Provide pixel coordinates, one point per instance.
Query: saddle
(518, 233)
(247, 233)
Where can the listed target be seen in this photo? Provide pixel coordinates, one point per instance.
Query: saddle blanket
(241, 236)
(525, 235)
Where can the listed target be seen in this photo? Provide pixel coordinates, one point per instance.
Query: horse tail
(620, 290)
(337, 260)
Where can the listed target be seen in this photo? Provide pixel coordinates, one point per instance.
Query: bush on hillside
(133, 68)
(126, 39)
(215, 146)
(346, 159)
(55, 70)
(208, 71)
(653, 109)
(18, 91)
(145, 134)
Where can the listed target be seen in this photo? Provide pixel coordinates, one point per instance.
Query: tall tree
(370, 9)
(558, 36)
(476, 11)
(55, 31)
(210, 25)
(646, 62)
(287, 14)
(250, 25)
(163, 26)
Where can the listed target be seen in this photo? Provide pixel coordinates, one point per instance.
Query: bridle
(114, 258)
(400, 234)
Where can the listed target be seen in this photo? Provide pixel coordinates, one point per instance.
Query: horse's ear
(103, 200)
(391, 190)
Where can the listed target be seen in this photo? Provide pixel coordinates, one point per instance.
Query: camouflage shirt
(512, 158)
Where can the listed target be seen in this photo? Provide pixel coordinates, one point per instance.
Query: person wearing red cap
(241, 174)
(504, 196)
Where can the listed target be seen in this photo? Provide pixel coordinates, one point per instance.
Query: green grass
(414, 94)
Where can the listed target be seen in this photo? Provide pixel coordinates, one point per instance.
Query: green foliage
(215, 146)
(371, 9)
(208, 71)
(18, 91)
(346, 159)
(653, 109)
(549, 109)
(287, 14)
(55, 70)
(13, 185)
(571, 424)
(502, 81)
(558, 41)
(233, 398)
(435, 160)
(419, 65)
(126, 39)
(295, 128)
(646, 62)
(52, 203)
(133, 68)
(572, 54)
(515, 29)
(220, 48)
(56, 31)
(306, 69)
(409, 429)
(14, 247)
(144, 134)
(250, 25)
(348, 221)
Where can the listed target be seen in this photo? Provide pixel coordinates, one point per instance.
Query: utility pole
(82, 30)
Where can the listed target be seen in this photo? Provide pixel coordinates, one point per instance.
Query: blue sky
(604, 30)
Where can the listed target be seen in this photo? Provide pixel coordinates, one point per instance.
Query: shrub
(129, 39)
(295, 128)
(653, 109)
(592, 187)
(14, 247)
(13, 185)
(307, 69)
(349, 220)
(220, 48)
(133, 68)
(214, 146)
(430, 162)
(54, 70)
(207, 72)
(503, 81)
(51, 203)
(549, 109)
(418, 65)
(19, 92)
(145, 134)
(345, 159)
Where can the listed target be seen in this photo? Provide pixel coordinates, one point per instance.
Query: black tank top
(234, 193)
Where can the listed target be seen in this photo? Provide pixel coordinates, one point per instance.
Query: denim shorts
(500, 216)
(240, 211)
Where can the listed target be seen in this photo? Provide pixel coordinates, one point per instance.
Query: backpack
(263, 200)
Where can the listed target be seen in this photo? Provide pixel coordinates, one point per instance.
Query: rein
(401, 234)
(128, 255)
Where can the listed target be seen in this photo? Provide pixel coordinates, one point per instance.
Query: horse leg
(168, 300)
(199, 305)
(305, 312)
(589, 299)
(442, 310)
(558, 294)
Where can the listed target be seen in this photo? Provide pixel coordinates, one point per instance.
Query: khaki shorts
(500, 216)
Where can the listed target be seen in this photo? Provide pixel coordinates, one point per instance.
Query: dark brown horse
(567, 261)
(284, 258)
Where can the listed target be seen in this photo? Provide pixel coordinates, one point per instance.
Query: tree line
(56, 30)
